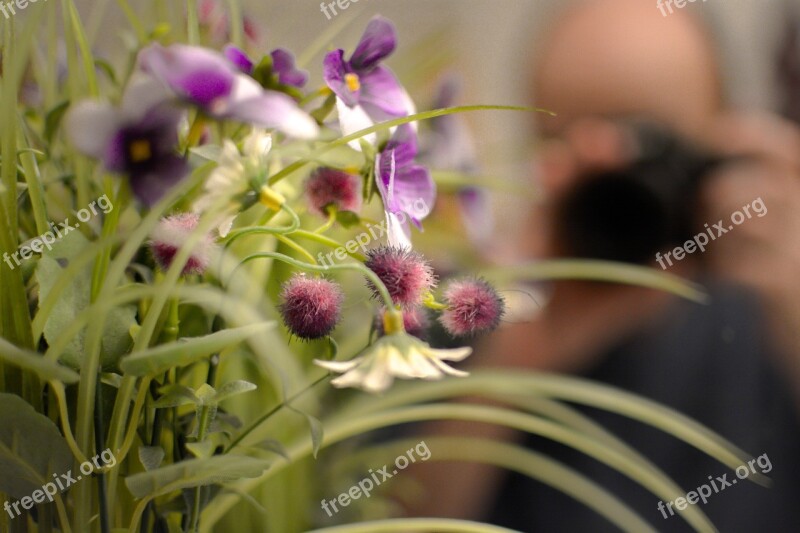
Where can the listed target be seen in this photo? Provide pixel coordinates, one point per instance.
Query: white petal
(339, 366)
(141, 95)
(353, 119)
(449, 370)
(396, 234)
(454, 354)
(423, 366)
(91, 125)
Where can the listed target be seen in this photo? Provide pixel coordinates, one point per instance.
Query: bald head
(623, 57)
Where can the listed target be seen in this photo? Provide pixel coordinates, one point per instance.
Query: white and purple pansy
(367, 92)
(210, 81)
(407, 189)
(138, 139)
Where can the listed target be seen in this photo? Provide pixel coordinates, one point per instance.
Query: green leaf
(201, 450)
(184, 352)
(34, 362)
(31, 448)
(151, 456)
(234, 388)
(591, 269)
(316, 430)
(194, 473)
(53, 120)
(347, 219)
(74, 298)
(175, 396)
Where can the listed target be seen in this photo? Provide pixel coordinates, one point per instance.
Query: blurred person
(720, 364)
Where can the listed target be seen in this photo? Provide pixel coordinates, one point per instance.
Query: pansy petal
(288, 74)
(379, 40)
(199, 75)
(334, 71)
(381, 90)
(238, 57)
(397, 233)
(271, 109)
(353, 119)
(153, 184)
(90, 126)
(415, 191)
(142, 94)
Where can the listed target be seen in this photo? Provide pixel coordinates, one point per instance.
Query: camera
(628, 214)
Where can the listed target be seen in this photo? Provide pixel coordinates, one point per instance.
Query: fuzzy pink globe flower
(168, 237)
(406, 274)
(473, 307)
(415, 322)
(311, 307)
(329, 186)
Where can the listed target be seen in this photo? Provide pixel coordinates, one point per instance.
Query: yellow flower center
(271, 198)
(393, 322)
(140, 151)
(352, 81)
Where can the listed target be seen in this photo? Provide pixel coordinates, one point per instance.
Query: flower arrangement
(190, 331)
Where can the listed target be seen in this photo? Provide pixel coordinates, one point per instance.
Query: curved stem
(296, 247)
(359, 267)
(402, 525)
(330, 222)
(254, 230)
(271, 412)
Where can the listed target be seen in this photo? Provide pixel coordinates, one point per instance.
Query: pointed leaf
(194, 473)
(184, 352)
(31, 448)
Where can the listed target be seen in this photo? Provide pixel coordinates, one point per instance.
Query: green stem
(272, 411)
(192, 23)
(358, 267)
(402, 525)
(202, 429)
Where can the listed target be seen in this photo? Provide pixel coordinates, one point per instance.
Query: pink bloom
(406, 274)
(169, 236)
(474, 307)
(328, 186)
(311, 307)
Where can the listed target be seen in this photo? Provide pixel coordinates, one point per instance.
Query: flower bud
(473, 307)
(328, 186)
(311, 307)
(407, 275)
(169, 236)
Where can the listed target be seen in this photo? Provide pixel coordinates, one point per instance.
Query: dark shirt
(711, 363)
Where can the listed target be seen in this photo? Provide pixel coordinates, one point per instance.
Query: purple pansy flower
(367, 92)
(407, 189)
(282, 65)
(139, 139)
(208, 80)
(288, 74)
(239, 58)
(451, 147)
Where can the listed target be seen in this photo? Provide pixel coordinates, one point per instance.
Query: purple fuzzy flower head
(473, 307)
(311, 307)
(415, 322)
(406, 274)
(329, 186)
(168, 237)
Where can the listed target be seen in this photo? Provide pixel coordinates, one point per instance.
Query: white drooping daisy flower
(234, 175)
(395, 355)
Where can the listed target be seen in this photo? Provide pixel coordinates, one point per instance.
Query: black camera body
(629, 214)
